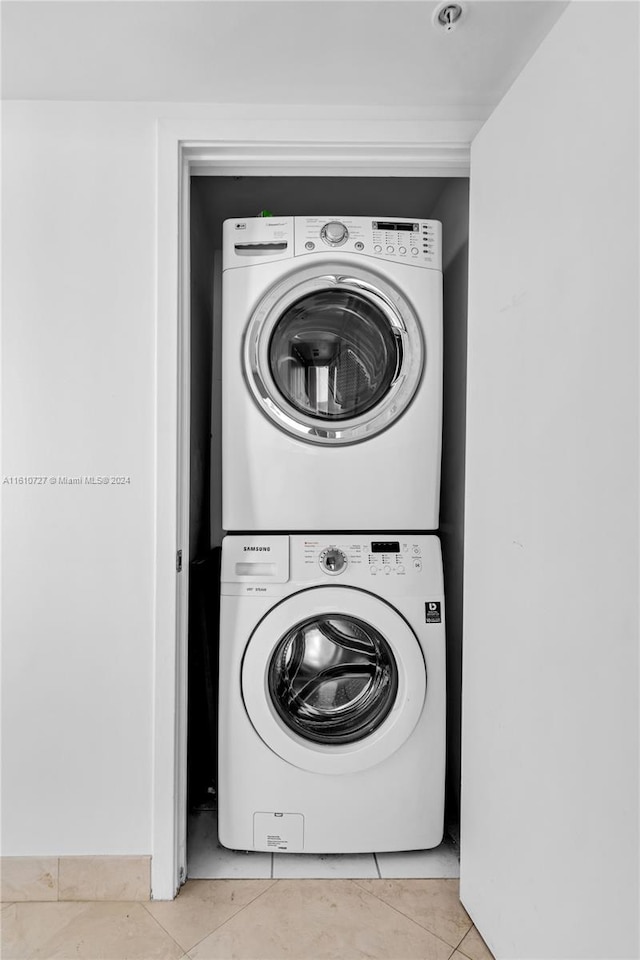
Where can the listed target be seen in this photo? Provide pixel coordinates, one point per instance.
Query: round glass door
(333, 355)
(333, 679)
(333, 359)
(327, 690)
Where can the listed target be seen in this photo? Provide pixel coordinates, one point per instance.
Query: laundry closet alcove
(358, 182)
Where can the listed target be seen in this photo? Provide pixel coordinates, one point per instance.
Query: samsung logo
(260, 549)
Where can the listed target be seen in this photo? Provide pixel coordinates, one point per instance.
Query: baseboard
(75, 878)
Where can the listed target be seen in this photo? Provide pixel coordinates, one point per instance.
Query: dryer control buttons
(333, 561)
(334, 233)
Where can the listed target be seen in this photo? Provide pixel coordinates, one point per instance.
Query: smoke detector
(447, 16)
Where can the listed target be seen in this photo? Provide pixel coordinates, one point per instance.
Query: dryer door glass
(333, 355)
(333, 679)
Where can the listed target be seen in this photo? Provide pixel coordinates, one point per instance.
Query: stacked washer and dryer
(332, 636)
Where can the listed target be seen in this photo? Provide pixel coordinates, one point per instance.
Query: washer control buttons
(333, 561)
(359, 245)
(334, 233)
(402, 249)
(389, 249)
(310, 245)
(415, 251)
(378, 248)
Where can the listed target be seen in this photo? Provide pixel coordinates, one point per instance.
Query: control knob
(333, 561)
(334, 233)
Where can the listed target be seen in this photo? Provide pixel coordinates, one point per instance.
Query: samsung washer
(332, 693)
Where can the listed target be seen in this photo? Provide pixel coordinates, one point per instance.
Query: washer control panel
(400, 240)
(372, 558)
(389, 565)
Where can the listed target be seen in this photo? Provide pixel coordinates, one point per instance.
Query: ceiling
(382, 53)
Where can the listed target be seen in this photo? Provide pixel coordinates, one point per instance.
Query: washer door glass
(333, 679)
(333, 355)
(333, 359)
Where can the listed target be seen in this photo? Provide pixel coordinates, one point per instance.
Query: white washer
(332, 693)
(332, 373)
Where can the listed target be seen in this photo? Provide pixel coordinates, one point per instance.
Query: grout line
(233, 915)
(143, 903)
(411, 919)
(375, 860)
(463, 937)
(459, 947)
(417, 922)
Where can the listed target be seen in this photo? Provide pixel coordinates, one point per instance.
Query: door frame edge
(439, 150)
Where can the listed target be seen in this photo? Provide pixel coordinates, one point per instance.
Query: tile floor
(207, 860)
(258, 919)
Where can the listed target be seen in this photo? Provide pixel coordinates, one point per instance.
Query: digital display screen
(387, 225)
(385, 546)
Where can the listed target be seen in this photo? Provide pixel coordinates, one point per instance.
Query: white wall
(550, 722)
(78, 310)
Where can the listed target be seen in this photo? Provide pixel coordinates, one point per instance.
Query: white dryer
(332, 693)
(332, 373)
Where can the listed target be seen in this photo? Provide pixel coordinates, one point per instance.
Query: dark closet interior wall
(203, 576)
(452, 209)
(202, 247)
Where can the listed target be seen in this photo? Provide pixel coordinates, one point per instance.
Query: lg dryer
(332, 693)
(332, 373)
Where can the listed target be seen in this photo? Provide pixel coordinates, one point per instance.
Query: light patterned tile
(434, 904)
(310, 866)
(202, 906)
(473, 947)
(208, 860)
(28, 878)
(84, 931)
(320, 920)
(442, 861)
(104, 878)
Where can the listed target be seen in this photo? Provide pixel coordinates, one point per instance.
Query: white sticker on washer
(278, 831)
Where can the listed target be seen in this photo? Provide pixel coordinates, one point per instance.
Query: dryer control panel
(252, 240)
(399, 239)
